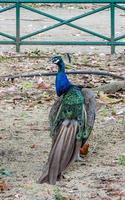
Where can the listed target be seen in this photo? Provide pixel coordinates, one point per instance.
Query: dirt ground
(25, 141)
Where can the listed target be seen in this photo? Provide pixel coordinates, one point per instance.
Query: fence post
(112, 27)
(18, 26)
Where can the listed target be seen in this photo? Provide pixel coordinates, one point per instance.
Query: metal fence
(19, 39)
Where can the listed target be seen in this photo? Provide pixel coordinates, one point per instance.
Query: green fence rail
(19, 39)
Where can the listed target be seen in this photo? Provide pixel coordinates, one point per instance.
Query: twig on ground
(91, 72)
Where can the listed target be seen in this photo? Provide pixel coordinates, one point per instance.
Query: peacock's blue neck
(62, 82)
(61, 66)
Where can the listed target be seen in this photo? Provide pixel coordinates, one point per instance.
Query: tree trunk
(111, 87)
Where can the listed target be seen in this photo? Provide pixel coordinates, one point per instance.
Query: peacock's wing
(54, 111)
(90, 107)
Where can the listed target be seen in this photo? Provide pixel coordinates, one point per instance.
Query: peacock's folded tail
(64, 150)
(71, 121)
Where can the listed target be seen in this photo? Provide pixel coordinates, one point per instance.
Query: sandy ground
(25, 141)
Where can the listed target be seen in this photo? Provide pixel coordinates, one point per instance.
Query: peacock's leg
(79, 158)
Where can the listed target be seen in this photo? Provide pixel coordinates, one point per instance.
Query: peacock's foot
(79, 158)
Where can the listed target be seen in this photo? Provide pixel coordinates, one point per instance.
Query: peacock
(71, 119)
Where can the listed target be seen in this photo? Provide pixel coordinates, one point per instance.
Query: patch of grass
(85, 60)
(24, 115)
(2, 129)
(27, 85)
(68, 67)
(104, 112)
(121, 160)
(113, 111)
(3, 58)
(80, 7)
(36, 52)
(58, 196)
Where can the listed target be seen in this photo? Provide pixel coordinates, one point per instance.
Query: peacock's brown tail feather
(65, 149)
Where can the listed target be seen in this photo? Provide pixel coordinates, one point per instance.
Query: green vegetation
(3, 58)
(36, 52)
(121, 160)
(104, 112)
(26, 85)
(58, 196)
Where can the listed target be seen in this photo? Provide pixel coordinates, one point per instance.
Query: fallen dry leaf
(4, 186)
(42, 85)
(33, 146)
(107, 100)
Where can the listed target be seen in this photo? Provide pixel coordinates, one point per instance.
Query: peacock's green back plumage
(71, 106)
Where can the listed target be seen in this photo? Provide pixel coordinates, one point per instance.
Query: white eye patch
(56, 61)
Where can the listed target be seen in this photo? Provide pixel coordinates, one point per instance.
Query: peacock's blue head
(59, 62)
(56, 60)
(62, 82)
